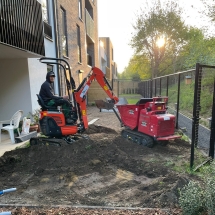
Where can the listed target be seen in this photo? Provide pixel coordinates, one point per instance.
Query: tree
(198, 49)
(160, 34)
(138, 68)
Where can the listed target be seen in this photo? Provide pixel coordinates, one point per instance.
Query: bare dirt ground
(104, 170)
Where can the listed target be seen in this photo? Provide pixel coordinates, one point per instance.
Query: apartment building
(52, 28)
(21, 40)
(108, 67)
(35, 28)
(106, 58)
(77, 37)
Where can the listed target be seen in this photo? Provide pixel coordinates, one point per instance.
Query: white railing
(90, 26)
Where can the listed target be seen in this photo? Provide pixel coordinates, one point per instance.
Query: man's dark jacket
(46, 90)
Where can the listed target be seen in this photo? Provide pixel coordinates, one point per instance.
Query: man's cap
(51, 74)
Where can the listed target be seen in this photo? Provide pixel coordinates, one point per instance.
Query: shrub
(191, 199)
(198, 199)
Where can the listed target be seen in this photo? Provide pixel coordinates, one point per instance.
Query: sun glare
(160, 42)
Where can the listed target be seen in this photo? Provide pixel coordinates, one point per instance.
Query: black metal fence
(191, 98)
(21, 25)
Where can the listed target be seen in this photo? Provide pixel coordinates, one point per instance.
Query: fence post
(151, 91)
(212, 135)
(147, 89)
(167, 86)
(118, 88)
(178, 99)
(194, 120)
(155, 87)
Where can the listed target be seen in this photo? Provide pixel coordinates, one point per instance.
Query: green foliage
(187, 96)
(155, 22)
(88, 147)
(191, 199)
(196, 198)
(198, 49)
(35, 116)
(138, 68)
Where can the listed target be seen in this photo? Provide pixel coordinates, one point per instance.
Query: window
(80, 8)
(45, 11)
(64, 33)
(79, 43)
(49, 68)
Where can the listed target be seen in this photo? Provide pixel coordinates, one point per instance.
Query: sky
(115, 19)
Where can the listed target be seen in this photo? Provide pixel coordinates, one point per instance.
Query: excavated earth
(104, 170)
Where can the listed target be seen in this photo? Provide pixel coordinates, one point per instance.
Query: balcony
(108, 74)
(21, 26)
(103, 54)
(89, 60)
(89, 26)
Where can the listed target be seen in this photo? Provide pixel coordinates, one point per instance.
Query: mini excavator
(52, 121)
(146, 122)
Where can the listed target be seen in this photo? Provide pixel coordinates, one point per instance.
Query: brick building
(111, 67)
(77, 29)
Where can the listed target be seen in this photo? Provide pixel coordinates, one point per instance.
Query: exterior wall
(37, 70)
(97, 93)
(109, 68)
(102, 57)
(14, 87)
(72, 18)
(37, 75)
(109, 50)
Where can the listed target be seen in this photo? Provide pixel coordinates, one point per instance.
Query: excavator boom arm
(80, 94)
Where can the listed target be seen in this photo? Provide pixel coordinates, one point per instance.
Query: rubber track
(137, 137)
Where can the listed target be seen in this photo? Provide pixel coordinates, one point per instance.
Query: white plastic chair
(14, 124)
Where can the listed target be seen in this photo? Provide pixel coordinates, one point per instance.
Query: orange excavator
(52, 120)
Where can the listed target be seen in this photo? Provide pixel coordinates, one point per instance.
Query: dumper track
(139, 138)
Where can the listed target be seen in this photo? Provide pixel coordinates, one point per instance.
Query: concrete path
(6, 144)
(186, 122)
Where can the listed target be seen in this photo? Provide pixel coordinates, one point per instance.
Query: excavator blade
(104, 105)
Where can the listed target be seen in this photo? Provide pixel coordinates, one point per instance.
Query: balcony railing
(89, 60)
(47, 30)
(103, 53)
(108, 75)
(89, 26)
(21, 25)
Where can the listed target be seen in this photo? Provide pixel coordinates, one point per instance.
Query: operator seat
(43, 106)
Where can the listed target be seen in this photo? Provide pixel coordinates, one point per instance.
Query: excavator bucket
(104, 105)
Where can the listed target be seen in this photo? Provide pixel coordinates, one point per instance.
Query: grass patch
(132, 101)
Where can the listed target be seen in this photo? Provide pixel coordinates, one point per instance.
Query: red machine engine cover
(156, 125)
(57, 116)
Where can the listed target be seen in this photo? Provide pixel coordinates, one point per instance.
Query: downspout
(56, 40)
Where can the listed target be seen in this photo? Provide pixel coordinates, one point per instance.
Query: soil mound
(93, 129)
(104, 170)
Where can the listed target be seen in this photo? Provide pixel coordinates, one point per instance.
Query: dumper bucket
(104, 105)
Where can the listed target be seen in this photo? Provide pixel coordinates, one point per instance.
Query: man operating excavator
(47, 94)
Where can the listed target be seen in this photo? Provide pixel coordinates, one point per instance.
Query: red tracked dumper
(148, 122)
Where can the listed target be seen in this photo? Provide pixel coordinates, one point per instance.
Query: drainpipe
(56, 40)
